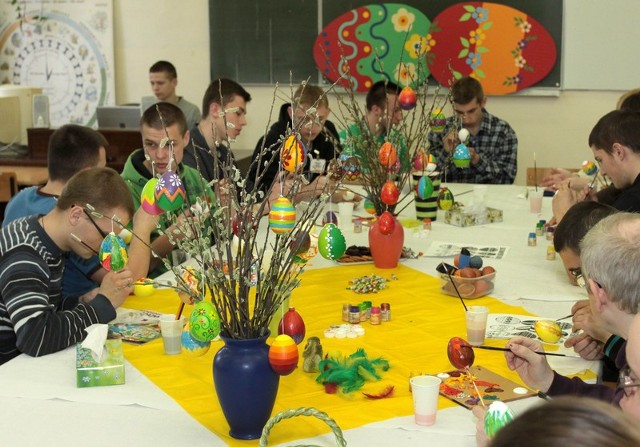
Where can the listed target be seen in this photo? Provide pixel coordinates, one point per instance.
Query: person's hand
(88, 296)
(585, 346)
(116, 286)
(591, 323)
(533, 369)
(564, 199)
(555, 179)
(450, 141)
(144, 223)
(482, 439)
(475, 157)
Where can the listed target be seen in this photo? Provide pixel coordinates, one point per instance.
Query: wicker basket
(302, 411)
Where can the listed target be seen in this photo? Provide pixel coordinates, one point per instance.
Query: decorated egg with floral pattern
(283, 355)
(292, 154)
(148, 198)
(113, 253)
(386, 223)
(170, 193)
(282, 217)
(331, 242)
(424, 188)
(389, 193)
(192, 346)
(204, 322)
(461, 156)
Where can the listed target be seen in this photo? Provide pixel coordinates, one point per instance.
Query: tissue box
(460, 218)
(108, 372)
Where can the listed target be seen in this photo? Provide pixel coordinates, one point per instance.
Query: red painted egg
(407, 98)
(283, 355)
(386, 223)
(460, 353)
(389, 193)
(387, 155)
(504, 48)
(292, 324)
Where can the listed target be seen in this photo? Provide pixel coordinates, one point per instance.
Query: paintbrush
(494, 348)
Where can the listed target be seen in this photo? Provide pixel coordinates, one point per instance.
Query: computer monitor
(25, 107)
(147, 101)
(118, 117)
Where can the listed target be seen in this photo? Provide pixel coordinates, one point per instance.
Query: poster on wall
(65, 48)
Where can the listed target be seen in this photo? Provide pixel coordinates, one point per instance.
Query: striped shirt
(32, 318)
(497, 144)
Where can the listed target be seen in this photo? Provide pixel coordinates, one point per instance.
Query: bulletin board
(264, 42)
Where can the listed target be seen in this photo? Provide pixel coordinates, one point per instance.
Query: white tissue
(96, 337)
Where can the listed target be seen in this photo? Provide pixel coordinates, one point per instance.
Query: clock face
(62, 57)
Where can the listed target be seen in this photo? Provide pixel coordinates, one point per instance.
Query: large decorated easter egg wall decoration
(331, 242)
(283, 355)
(292, 154)
(374, 42)
(282, 217)
(148, 198)
(504, 48)
(170, 193)
(113, 253)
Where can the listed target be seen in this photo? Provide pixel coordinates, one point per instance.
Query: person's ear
(214, 110)
(185, 139)
(600, 296)
(75, 215)
(483, 102)
(619, 151)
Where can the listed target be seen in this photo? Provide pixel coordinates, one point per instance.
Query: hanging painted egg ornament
(445, 199)
(387, 155)
(282, 217)
(193, 280)
(424, 188)
(113, 253)
(589, 167)
(148, 198)
(460, 353)
(170, 193)
(420, 160)
(331, 242)
(463, 135)
(461, 156)
(192, 346)
(389, 193)
(283, 355)
(204, 322)
(497, 416)
(437, 121)
(292, 154)
(407, 98)
(350, 168)
(292, 325)
(386, 223)
(369, 207)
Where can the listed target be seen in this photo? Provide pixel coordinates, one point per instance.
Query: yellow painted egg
(148, 198)
(283, 355)
(292, 154)
(548, 331)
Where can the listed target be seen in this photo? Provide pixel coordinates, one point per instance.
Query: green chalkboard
(264, 41)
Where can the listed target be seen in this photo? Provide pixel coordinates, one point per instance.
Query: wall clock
(61, 56)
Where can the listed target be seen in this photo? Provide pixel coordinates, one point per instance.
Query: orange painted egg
(282, 217)
(283, 355)
(407, 98)
(387, 155)
(292, 154)
(389, 193)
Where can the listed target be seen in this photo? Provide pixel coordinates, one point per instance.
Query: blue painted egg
(461, 156)
(170, 193)
(424, 188)
(113, 253)
(192, 346)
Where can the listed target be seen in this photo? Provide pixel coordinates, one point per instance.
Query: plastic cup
(476, 318)
(345, 209)
(425, 390)
(535, 200)
(171, 330)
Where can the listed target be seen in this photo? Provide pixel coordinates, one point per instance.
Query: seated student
(493, 144)
(163, 78)
(153, 159)
(383, 116)
(630, 376)
(307, 115)
(224, 108)
(566, 421)
(610, 257)
(33, 318)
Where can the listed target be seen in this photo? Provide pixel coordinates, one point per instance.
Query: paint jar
(532, 240)
(363, 311)
(551, 253)
(549, 235)
(376, 316)
(385, 312)
(368, 304)
(345, 312)
(354, 315)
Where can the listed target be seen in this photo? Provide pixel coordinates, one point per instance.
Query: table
(45, 387)
(28, 175)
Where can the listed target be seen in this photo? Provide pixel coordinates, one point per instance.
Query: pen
(542, 395)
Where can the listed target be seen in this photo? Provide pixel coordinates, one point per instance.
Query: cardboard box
(459, 218)
(108, 372)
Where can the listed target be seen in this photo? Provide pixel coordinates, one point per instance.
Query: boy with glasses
(492, 142)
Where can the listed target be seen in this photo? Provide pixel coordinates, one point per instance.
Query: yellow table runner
(422, 322)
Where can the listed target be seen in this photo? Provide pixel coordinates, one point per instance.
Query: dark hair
(377, 94)
(73, 148)
(577, 221)
(630, 101)
(164, 114)
(102, 188)
(222, 91)
(166, 67)
(465, 90)
(570, 421)
(618, 126)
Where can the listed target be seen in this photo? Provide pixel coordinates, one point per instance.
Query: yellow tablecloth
(422, 322)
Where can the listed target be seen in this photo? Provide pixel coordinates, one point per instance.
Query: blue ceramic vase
(246, 385)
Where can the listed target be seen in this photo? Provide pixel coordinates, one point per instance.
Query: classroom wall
(556, 128)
